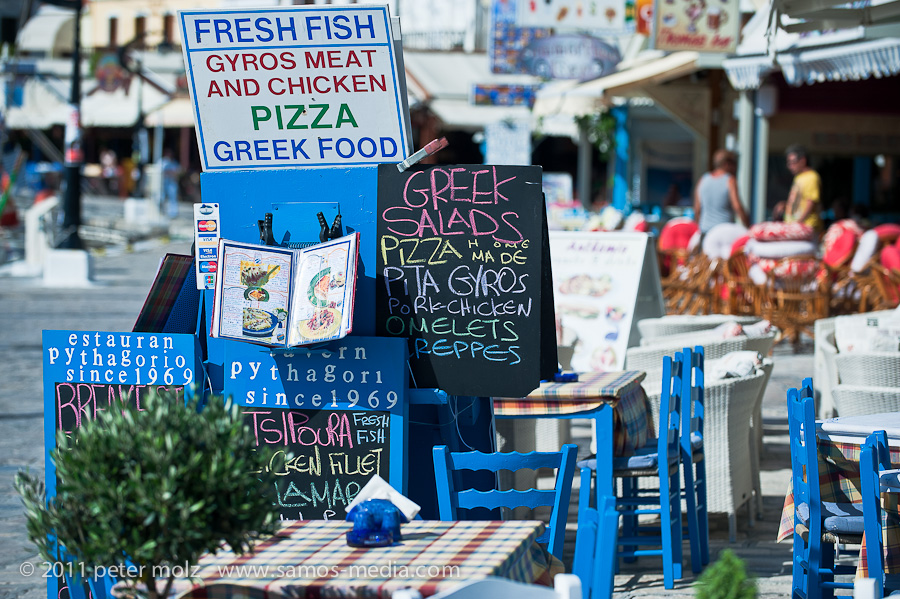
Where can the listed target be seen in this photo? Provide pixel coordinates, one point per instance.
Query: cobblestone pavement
(113, 303)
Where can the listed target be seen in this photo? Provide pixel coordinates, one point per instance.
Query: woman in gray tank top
(716, 198)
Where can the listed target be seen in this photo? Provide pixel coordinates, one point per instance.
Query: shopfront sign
(294, 87)
(697, 25)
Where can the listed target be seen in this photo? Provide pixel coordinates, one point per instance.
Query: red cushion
(738, 245)
(840, 242)
(788, 268)
(888, 232)
(777, 231)
(890, 258)
(676, 234)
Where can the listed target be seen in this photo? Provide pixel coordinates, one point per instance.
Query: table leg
(605, 451)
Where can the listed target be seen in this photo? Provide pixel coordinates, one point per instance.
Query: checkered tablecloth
(311, 559)
(621, 390)
(839, 482)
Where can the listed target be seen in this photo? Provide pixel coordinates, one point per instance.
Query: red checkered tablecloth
(311, 558)
(621, 390)
(839, 482)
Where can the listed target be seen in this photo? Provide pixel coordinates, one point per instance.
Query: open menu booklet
(283, 297)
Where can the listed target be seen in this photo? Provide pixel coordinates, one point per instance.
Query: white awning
(571, 97)
(747, 72)
(673, 66)
(443, 82)
(566, 98)
(41, 108)
(860, 60)
(178, 112)
(49, 32)
(825, 15)
(462, 115)
(852, 53)
(118, 109)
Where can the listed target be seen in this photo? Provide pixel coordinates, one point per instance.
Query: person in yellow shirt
(804, 202)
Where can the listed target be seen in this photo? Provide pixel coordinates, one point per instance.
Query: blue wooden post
(623, 151)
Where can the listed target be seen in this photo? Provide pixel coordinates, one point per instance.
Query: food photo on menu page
(285, 297)
(323, 300)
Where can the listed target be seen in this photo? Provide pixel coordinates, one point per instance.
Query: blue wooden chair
(693, 461)
(876, 475)
(598, 529)
(659, 458)
(451, 499)
(818, 525)
(100, 587)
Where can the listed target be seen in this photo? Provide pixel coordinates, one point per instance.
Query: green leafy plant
(601, 131)
(153, 489)
(726, 579)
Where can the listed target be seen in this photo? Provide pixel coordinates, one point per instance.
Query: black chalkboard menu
(331, 417)
(459, 274)
(322, 458)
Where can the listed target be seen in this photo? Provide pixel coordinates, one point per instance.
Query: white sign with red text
(294, 87)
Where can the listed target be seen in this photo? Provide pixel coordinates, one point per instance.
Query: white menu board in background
(600, 280)
(508, 142)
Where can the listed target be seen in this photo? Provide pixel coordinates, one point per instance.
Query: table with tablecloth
(614, 400)
(839, 481)
(311, 558)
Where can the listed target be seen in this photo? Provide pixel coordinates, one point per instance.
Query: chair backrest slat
(670, 409)
(870, 465)
(804, 458)
(451, 499)
(531, 498)
(513, 460)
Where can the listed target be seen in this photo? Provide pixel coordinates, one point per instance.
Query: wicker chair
(824, 368)
(650, 358)
(756, 438)
(730, 446)
(857, 400)
(794, 302)
(677, 324)
(881, 369)
(743, 295)
(761, 344)
(849, 290)
(674, 273)
(887, 288)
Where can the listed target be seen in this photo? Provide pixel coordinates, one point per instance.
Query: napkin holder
(376, 523)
